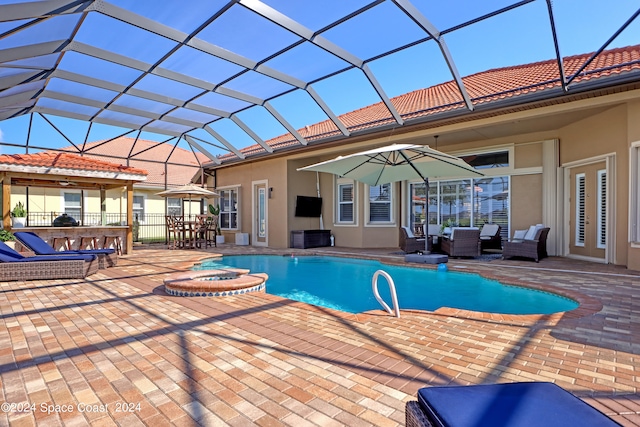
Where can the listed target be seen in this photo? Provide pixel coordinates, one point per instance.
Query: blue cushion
(55, 258)
(508, 405)
(41, 247)
(9, 255)
(34, 242)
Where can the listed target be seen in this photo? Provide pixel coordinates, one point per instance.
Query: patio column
(6, 201)
(103, 207)
(129, 242)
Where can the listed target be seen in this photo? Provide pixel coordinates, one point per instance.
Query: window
(491, 202)
(229, 209)
(463, 202)
(138, 208)
(497, 159)
(174, 206)
(345, 206)
(72, 205)
(380, 203)
(455, 202)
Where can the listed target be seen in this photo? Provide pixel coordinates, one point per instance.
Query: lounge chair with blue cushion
(33, 242)
(15, 266)
(525, 404)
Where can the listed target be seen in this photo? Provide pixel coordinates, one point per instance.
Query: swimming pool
(345, 284)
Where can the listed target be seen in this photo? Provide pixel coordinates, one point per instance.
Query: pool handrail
(392, 289)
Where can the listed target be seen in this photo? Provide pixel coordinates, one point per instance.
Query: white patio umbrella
(396, 162)
(188, 191)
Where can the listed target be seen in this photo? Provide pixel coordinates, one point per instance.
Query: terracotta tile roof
(483, 88)
(146, 154)
(67, 161)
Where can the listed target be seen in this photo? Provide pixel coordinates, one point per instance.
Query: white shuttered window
(380, 203)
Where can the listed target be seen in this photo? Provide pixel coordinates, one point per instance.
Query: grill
(65, 220)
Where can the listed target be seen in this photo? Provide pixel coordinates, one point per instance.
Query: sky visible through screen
(517, 37)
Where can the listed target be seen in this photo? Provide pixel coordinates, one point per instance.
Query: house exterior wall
(274, 172)
(633, 136)
(593, 128)
(599, 135)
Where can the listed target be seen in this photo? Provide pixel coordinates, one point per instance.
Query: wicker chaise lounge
(14, 266)
(33, 242)
(528, 404)
(533, 245)
(409, 243)
(463, 242)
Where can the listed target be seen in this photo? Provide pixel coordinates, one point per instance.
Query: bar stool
(113, 240)
(88, 242)
(61, 241)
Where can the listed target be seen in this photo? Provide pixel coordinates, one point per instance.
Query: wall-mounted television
(308, 206)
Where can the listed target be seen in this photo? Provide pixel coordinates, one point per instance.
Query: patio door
(259, 231)
(588, 211)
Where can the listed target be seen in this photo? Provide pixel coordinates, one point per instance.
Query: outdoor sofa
(462, 242)
(15, 266)
(523, 404)
(106, 257)
(533, 244)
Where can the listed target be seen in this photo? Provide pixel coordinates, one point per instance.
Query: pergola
(215, 76)
(44, 170)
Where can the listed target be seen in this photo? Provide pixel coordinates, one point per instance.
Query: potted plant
(215, 211)
(19, 216)
(446, 226)
(7, 237)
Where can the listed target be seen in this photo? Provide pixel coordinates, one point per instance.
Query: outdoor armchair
(533, 245)
(463, 242)
(409, 243)
(490, 237)
(33, 242)
(15, 266)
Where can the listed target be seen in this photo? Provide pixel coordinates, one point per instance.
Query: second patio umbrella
(188, 191)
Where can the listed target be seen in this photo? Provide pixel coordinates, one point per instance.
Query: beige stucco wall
(274, 172)
(526, 201)
(633, 126)
(600, 135)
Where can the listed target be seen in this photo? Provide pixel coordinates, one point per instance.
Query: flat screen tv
(308, 206)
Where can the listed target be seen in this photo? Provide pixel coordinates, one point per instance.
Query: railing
(392, 289)
(151, 228)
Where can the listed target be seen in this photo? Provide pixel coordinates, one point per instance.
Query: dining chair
(175, 231)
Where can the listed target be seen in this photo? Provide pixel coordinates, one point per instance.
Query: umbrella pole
(318, 191)
(426, 217)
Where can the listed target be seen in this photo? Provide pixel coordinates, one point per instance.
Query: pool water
(345, 284)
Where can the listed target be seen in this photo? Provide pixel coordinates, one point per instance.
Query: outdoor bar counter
(73, 235)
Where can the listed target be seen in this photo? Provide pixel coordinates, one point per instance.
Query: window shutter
(580, 209)
(602, 209)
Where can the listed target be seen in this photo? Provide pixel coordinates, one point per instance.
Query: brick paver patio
(114, 349)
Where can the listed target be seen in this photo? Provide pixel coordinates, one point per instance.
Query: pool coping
(587, 305)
